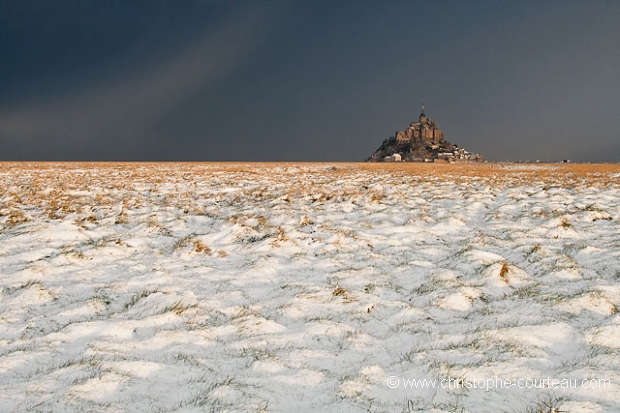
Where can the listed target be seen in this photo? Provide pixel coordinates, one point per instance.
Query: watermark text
(489, 384)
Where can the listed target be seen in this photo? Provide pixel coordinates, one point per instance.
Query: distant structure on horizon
(425, 130)
(422, 141)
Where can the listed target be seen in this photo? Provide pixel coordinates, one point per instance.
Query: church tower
(422, 115)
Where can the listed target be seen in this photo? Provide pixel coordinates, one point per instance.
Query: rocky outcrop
(422, 141)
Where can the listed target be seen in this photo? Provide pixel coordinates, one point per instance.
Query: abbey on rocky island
(423, 131)
(422, 141)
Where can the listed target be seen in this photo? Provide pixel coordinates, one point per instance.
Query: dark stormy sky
(306, 80)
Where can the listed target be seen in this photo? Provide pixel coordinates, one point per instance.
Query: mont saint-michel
(422, 141)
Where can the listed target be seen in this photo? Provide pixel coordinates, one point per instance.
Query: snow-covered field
(308, 287)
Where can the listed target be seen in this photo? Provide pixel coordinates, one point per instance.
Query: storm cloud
(310, 81)
(118, 118)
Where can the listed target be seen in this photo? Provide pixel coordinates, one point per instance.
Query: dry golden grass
(199, 247)
(60, 189)
(503, 273)
(339, 292)
(506, 173)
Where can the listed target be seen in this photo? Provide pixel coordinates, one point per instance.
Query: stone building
(423, 131)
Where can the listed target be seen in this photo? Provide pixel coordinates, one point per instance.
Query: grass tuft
(503, 272)
(339, 292)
